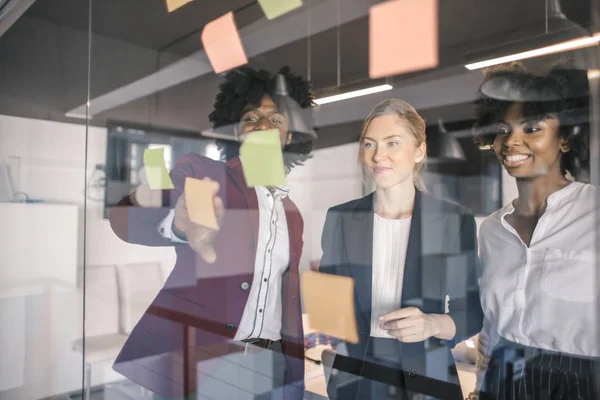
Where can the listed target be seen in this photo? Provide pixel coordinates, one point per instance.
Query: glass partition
(247, 224)
(44, 64)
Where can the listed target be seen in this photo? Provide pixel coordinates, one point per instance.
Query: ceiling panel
(142, 22)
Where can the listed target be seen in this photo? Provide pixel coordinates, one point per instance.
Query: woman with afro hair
(234, 292)
(539, 288)
(247, 86)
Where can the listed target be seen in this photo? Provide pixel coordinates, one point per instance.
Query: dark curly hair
(563, 93)
(245, 86)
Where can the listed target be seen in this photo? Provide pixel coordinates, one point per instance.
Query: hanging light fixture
(299, 119)
(443, 148)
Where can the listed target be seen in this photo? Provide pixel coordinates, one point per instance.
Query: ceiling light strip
(542, 51)
(353, 94)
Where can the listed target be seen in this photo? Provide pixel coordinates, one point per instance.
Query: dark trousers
(520, 372)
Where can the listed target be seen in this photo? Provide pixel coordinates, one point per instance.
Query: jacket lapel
(411, 282)
(428, 225)
(358, 239)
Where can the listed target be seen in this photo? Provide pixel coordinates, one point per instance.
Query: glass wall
(219, 200)
(44, 62)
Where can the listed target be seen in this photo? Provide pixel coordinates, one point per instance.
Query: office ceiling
(43, 57)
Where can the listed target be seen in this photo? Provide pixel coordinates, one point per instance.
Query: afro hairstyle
(245, 86)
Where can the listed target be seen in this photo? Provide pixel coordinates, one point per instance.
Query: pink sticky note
(403, 37)
(222, 44)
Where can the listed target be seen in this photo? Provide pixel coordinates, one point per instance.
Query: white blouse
(545, 295)
(390, 241)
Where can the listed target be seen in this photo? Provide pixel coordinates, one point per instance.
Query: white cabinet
(38, 274)
(38, 241)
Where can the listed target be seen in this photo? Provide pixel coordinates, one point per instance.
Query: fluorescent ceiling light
(355, 93)
(542, 51)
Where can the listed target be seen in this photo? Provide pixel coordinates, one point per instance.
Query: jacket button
(229, 327)
(245, 285)
(412, 373)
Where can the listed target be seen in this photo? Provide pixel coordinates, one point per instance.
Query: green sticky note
(262, 159)
(276, 8)
(156, 170)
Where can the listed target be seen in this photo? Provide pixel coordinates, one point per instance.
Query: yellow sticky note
(156, 170)
(403, 37)
(199, 199)
(262, 159)
(222, 43)
(329, 302)
(173, 5)
(276, 8)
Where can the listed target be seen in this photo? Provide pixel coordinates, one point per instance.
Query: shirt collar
(278, 192)
(552, 200)
(557, 196)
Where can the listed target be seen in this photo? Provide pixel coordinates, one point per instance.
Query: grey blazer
(441, 261)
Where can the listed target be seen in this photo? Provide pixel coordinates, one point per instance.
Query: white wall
(47, 161)
(331, 177)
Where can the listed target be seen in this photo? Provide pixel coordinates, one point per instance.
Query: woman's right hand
(200, 238)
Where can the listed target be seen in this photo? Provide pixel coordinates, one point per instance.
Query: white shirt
(390, 241)
(545, 295)
(263, 311)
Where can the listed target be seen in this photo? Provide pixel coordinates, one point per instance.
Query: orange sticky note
(173, 5)
(329, 302)
(199, 199)
(222, 43)
(403, 37)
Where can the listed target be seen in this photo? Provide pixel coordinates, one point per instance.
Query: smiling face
(264, 117)
(390, 151)
(529, 147)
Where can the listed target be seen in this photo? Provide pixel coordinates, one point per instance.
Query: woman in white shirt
(408, 253)
(539, 285)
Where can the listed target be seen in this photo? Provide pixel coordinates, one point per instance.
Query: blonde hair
(412, 120)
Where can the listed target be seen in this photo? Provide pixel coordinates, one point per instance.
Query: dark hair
(563, 94)
(245, 86)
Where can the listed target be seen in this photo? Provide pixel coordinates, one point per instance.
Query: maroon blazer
(209, 297)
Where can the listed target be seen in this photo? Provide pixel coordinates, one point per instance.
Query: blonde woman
(413, 260)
